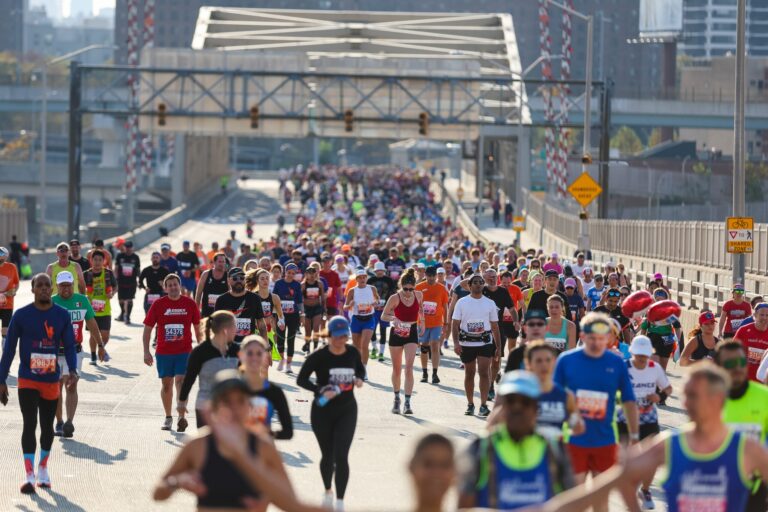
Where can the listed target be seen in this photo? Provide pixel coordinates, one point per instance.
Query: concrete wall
(205, 159)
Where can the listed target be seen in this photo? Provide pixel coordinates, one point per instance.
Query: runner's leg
(484, 368)
(470, 369)
(166, 394)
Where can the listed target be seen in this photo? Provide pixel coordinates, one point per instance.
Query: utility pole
(75, 151)
(739, 178)
(605, 149)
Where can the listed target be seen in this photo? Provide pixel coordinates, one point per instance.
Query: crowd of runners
(566, 358)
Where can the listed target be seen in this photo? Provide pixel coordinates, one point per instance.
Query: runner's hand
(3, 394)
(653, 398)
(102, 353)
(359, 383)
(457, 349)
(191, 481)
(148, 359)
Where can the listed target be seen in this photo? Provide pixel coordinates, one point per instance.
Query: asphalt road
(118, 451)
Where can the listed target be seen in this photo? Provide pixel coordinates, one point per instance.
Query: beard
(238, 287)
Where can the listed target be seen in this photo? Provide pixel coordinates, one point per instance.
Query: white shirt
(644, 383)
(475, 316)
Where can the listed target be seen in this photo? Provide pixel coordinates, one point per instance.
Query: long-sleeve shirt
(331, 369)
(205, 361)
(277, 404)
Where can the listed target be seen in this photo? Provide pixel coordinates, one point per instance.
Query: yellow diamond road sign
(585, 189)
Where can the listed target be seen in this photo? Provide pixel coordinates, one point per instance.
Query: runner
(745, 410)
(215, 353)
(407, 325)
(534, 328)
(707, 464)
(151, 281)
(175, 317)
(338, 369)
(385, 287)
(245, 305)
(435, 307)
(334, 294)
(701, 341)
(561, 333)
(595, 293)
(612, 309)
(127, 269)
(76, 256)
(38, 330)
(595, 376)
(188, 265)
(168, 259)
(9, 285)
(61, 264)
(213, 284)
(360, 301)
(754, 338)
(292, 304)
(313, 292)
(98, 245)
(735, 311)
(476, 340)
(575, 301)
(81, 315)
(100, 286)
(551, 283)
(258, 282)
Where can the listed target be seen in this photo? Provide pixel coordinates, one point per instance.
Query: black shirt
(274, 394)
(395, 267)
(246, 308)
(188, 262)
(500, 297)
(82, 261)
(539, 301)
(128, 268)
(331, 369)
(515, 359)
(384, 285)
(151, 279)
(212, 289)
(616, 313)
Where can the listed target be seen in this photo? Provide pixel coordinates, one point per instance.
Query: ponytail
(217, 321)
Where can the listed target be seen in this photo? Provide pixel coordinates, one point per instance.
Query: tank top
(212, 289)
(405, 313)
(267, 304)
(98, 292)
(553, 412)
(702, 352)
(56, 269)
(312, 292)
(226, 486)
(560, 340)
(712, 481)
(364, 301)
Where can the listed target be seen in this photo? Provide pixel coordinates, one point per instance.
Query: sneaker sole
(43, 485)
(182, 426)
(27, 488)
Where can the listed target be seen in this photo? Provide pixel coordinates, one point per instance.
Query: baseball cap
(738, 287)
(374, 257)
(551, 272)
(431, 251)
(519, 382)
(360, 272)
(440, 270)
(291, 266)
(598, 277)
(432, 271)
(554, 255)
(706, 317)
(379, 266)
(74, 241)
(228, 380)
(346, 247)
(64, 277)
(641, 346)
(338, 326)
(234, 271)
(420, 265)
(535, 314)
(129, 243)
(185, 242)
(339, 257)
(165, 247)
(3, 252)
(570, 283)
(657, 276)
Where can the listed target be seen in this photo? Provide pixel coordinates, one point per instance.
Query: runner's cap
(598, 277)
(74, 241)
(707, 317)
(535, 314)
(185, 242)
(291, 266)
(64, 277)
(552, 272)
(420, 265)
(3, 252)
(129, 243)
(346, 247)
(520, 382)
(234, 271)
(374, 257)
(440, 270)
(738, 287)
(379, 266)
(658, 277)
(431, 251)
(431, 271)
(641, 346)
(570, 283)
(165, 247)
(339, 257)
(338, 326)
(360, 272)
(554, 255)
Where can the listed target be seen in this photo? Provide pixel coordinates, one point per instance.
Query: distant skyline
(98, 5)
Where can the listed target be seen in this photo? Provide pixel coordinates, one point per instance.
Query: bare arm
(199, 291)
(387, 314)
(81, 278)
(181, 474)
(571, 330)
(630, 411)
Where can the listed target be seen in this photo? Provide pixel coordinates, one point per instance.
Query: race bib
(402, 329)
(751, 430)
(243, 326)
(152, 298)
(430, 308)
(364, 309)
(556, 343)
(76, 326)
(344, 378)
(42, 364)
(736, 323)
(259, 410)
(593, 405)
(98, 305)
(127, 270)
(394, 275)
(669, 339)
(755, 355)
(266, 307)
(212, 300)
(476, 327)
(288, 306)
(507, 315)
(174, 332)
(186, 274)
(313, 293)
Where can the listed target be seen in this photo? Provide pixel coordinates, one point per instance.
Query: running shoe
(167, 423)
(646, 499)
(445, 344)
(498, 377)
(305, 348)
(339, 506)
(483, 411)
(93, 362)
(396, 406)
(127, 321)
(470, 410)
(28, 487)
(491, 395)
(68, 429)
(435, 379)
(328, 500)
(182, 425)
(107, 357)
(59, 430)
(381, 357)
(461, 366)
(43, 480)
(288, 369)
(424, 376)
(407, 409)
(120, 317)
(281, 365)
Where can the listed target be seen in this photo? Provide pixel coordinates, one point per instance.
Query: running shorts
(469, 354)
(313, 311)
(399, 340)
(65, 367)
(5, 317)
(189, 284)
(362, 323)
(661, 347)
(596, 459)
(431, 334)
(646, 430)
(104, 322)
(126, 292)
(171, 365)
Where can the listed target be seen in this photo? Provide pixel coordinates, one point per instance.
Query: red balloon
(664, 312)
(636, 304)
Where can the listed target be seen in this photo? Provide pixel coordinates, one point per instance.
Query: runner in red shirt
(754, 338)
(175, 316)
(735, 311)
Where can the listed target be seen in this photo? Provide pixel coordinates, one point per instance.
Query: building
(80, 8)
(12, 25)
(711, 80)
(53, 8)
(635, 69)
(709, 28)
(45, 36)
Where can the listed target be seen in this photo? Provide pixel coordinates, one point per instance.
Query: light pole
(44, 126)
(739, 178)
(685, 185)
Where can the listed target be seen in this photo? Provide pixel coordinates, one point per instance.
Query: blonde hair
(217, 321)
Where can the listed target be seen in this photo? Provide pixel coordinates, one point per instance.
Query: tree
(626, 141)
(756, 176)
(654, 139)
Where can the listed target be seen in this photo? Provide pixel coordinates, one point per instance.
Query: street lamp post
(44, 127)
(739, 178)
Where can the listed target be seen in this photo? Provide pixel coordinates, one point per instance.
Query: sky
(100, 4)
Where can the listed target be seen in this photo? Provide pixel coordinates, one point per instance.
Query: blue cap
(338, 326)
(291, 266)
(519, 382)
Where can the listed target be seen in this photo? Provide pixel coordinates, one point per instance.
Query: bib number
(755, 355)
(212, 300)
(98, 305)
(42, 364)
(557, 343)
(259, 410)
(127, 270)
(174, 332)
(152, 298)
(313, 293)
(593, 405)
(736, 323)
(288, 306)
(402, 329)
(669, 339)
(243, 326)
(364, 309)
(430, 308)
(266, 307)
(476, 327)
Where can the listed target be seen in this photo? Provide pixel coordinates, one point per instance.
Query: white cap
(641, 346)
(440, 270)
(64, 277)
(431, 251)
(3, 252)
(420, 265)
(373, 257)
(379, 266)
(361, 272)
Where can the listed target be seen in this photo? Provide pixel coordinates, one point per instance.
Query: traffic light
(586, 159)
(349, 118)
(423, 123)
(161, 114)
(254, 116)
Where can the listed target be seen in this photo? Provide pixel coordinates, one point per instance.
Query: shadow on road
(295, 461)
(439, 427)
(80, 450)
(117, 372)
(60, 502)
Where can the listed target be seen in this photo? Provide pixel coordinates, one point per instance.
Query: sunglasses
(63, 249)
(535, 324)
(614, 294)
(409, 289)
(237, 277)
(597, 328)
(734, 362)
(625, 295)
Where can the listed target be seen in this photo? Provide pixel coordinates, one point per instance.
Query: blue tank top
(697, 482)
(516, 474)
(553, 412)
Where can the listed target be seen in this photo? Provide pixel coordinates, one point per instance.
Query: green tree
(756, 176)
(626, 141)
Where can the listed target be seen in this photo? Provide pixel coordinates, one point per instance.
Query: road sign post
(739, 235)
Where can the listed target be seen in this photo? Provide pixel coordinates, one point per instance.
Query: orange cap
(346, 247)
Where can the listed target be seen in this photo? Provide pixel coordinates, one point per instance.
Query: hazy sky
(100, 4)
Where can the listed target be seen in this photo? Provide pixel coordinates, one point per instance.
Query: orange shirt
(9, 279)
(435, 303)
(516, 294)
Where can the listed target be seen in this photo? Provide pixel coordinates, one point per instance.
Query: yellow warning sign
(518, 223)
(585, 189)
(739, 234)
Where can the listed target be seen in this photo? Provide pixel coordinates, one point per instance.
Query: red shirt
(174, 320)
(334, 284)
(735, 314)
(755, 344)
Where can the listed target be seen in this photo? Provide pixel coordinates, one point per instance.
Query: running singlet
(735, 314)
(644, 383)
(80, 310)
(363, 301)
(749, 414)
(595, 382)
(212, 290)
(704, 483)
(755, 344)
(312, 292)
(553, 412)
(559, 340)
(71, 268)
(99, 288)
(174, 320)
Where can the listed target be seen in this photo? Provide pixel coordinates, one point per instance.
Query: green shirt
(749, 414)
(79, 309)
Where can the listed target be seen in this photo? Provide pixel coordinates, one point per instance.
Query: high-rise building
(53, 8)
(80, 8)
(12, 25)
(709, 28)
(635, 69)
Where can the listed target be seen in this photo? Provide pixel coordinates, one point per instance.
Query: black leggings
(30, 403)
(289, 334)
(382, 338)
(334, 428)
(199, 418)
